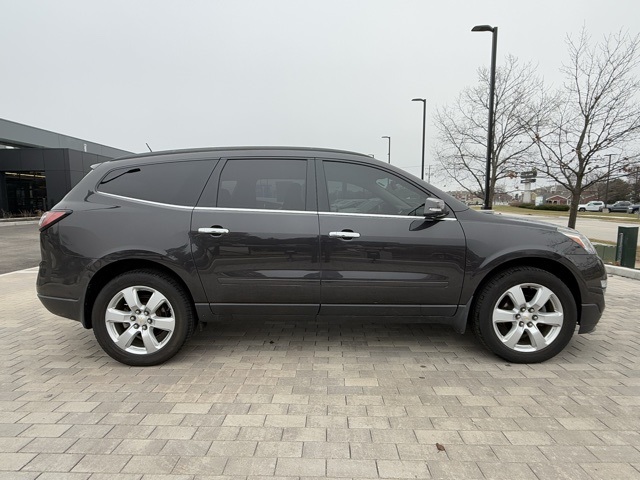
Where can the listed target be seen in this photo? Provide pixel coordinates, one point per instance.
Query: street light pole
(492, 85)
(389, 149)
(424, 129)
(606, 189)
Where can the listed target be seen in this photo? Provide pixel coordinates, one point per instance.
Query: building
(466, 197)
(39, 167)
(557, 194)
(557, 200)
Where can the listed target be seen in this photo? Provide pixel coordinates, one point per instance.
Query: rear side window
(273, 184)
(175, 183)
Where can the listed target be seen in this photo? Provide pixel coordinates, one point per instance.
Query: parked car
(147, 246)
(633, 208)
(594, 206)
(619, 206)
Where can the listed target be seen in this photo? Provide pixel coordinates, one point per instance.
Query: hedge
(545, 206)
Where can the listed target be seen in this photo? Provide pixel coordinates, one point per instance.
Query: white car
(594, 206)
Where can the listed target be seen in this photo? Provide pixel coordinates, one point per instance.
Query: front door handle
(344, 235)
(213, 231)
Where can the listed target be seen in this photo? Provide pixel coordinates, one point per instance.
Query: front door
(379, 255)
(255, 237)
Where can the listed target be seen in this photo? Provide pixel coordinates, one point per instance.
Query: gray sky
(330, 73)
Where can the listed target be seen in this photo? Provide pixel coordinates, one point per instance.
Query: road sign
(528, 180)
(531, 174)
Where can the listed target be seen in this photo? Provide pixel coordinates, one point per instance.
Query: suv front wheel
(525, 315)
(142, 318)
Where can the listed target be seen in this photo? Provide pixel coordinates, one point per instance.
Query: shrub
(554, 207)
(545, 206)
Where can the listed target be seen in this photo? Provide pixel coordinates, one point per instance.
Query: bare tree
(616, 189)
(633, 174)
(598, 114)
(462, 127)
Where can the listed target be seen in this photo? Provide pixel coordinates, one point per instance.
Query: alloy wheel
(140, 320)
(528, 317)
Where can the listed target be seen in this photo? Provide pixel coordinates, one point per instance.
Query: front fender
(496, 243)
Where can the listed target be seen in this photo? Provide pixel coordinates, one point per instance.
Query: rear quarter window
(175, 183)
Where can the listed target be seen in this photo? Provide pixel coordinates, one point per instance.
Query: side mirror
(435, 208)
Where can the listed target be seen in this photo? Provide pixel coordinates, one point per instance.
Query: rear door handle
(345, 235)
(213, 231)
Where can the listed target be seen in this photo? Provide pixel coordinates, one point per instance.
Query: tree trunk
(573, 211)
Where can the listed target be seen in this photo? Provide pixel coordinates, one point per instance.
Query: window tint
(176, 183)
(266, 184)
(356, 188)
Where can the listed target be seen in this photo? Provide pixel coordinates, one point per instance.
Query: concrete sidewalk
(295, 400)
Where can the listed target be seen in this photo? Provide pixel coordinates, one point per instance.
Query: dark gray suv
(147, 246)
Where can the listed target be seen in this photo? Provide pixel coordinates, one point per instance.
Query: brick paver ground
(335, 399)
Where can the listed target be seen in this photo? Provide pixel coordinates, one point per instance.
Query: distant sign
(528, 180)
(531, 174)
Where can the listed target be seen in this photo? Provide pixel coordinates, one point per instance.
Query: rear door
(379, 255)
(255, 237)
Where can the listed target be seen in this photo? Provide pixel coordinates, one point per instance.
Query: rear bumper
(62, 295)
(63, 307)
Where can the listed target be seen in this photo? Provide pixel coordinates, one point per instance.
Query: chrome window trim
(374, 215)
(263, 210)
(252, 210)
(344, 214)
(145, 202)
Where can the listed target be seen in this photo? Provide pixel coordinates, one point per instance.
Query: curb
(623, 272)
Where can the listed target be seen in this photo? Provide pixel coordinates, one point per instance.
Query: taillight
(54, 216)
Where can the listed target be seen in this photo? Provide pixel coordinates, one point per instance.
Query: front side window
(272, 184)
(175, 183)
(354, 188)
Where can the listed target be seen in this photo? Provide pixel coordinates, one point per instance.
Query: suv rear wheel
(525, 315)
(142, 318)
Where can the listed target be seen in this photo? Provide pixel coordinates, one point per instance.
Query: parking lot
(304, 399)
(20, 247)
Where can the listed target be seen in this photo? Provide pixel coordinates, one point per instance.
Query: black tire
(581, 210)
(175, 311)
(529, 279)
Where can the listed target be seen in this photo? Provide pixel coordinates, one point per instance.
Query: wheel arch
(101, 277)
(549, 265)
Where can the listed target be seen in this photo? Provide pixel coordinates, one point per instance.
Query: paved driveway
(341, 399)
(19, 247)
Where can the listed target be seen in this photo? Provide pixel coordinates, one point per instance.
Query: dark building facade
(38, 167)
(34, 179)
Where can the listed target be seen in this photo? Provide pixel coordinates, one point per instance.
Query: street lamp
(424, 129)
(606, 189)
(389, 150)
(492, 85)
